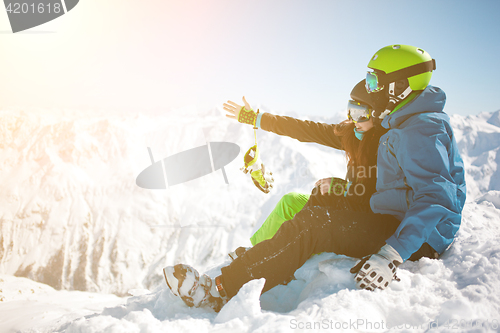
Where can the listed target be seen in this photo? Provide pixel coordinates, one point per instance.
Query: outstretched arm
(302, 130)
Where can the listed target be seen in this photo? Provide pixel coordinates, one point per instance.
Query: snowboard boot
(238, 252)
(195, 290)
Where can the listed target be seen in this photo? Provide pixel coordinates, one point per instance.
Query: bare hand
(233, 109)
(324, 185)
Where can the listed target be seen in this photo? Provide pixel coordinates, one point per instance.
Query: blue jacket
(420, 175)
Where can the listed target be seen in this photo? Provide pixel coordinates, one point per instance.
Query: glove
(337, 186)
(377, 270)
(247, 116)
(262, 179)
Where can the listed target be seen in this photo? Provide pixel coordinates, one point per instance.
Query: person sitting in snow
(415, 212)
(358, 136)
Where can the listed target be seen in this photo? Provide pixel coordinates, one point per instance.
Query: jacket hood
(431, 99)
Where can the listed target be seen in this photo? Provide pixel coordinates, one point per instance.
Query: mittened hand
(262, 179)
(378, 270)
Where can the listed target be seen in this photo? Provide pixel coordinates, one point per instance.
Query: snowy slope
(73, 218)
(478, 138)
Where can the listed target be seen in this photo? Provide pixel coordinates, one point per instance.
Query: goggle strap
(407, 72)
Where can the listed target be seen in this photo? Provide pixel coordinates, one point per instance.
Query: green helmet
(397, 62)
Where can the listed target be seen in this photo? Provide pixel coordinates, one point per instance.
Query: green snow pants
(289, 205)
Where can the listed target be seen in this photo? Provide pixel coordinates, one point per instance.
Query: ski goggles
(358, 112)
(372, 82)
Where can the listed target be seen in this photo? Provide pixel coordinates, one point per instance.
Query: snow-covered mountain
(478, 138)
(73, 218)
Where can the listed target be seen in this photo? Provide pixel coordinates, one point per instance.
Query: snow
(82, 247)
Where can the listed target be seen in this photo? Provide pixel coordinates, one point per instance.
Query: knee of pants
(305, 223)
(291, 203)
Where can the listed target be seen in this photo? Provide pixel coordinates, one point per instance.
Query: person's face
(364, 126)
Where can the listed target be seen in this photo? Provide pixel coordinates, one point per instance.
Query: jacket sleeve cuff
(392, 241)
(259, 117)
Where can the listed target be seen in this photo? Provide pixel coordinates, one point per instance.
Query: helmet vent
(375, 57)
(395, 47)
(420, 51)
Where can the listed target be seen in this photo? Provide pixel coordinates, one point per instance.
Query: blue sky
(291, 56)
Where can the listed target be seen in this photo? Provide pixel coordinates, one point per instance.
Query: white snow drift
(73, 218)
